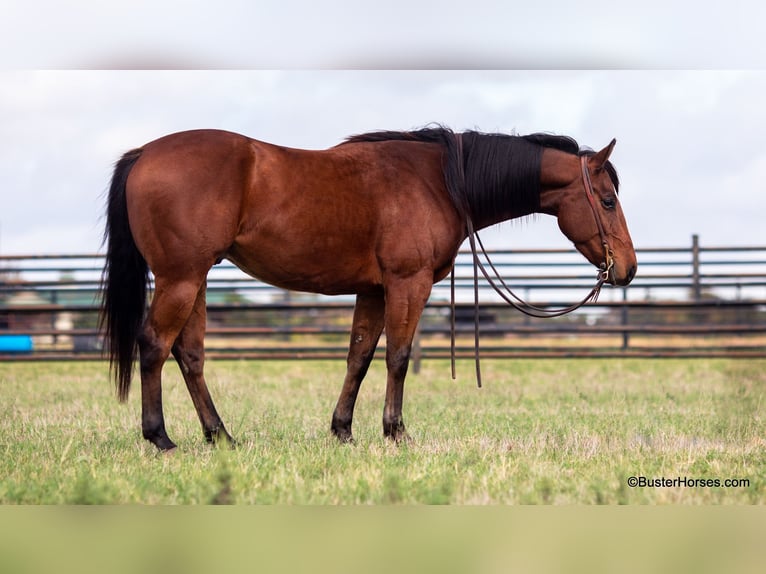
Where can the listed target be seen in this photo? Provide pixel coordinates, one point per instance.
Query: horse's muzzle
(623, 279)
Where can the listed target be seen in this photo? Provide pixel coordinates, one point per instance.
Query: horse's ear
(599, 159)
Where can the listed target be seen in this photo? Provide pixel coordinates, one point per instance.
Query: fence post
(625, 333)
(287, 298)
(696, 287)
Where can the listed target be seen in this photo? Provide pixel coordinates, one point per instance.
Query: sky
(689, 142)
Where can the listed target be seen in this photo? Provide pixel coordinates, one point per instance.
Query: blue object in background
(15, 344)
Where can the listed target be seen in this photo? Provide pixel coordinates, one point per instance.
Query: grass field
(539, 432)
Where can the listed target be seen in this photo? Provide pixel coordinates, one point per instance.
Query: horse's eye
(609, 203)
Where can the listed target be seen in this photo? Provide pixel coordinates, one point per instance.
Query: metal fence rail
(691, 301)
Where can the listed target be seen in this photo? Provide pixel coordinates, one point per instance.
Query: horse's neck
(559, 171)
(491, 204)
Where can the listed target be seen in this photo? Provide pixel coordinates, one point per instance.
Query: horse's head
(581, 191)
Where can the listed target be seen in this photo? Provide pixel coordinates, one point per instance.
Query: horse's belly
(326, 273)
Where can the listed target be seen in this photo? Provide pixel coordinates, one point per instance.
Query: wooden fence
(689, 301)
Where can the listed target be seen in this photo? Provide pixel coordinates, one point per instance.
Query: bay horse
(381, 216)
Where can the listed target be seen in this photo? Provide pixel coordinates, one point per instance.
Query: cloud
(688, 142)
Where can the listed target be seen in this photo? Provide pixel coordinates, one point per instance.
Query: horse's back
(329, 221)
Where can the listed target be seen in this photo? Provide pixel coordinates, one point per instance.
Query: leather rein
(499, 285)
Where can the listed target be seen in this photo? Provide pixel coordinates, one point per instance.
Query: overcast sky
(689, 152)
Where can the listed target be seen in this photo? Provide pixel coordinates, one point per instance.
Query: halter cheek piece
(514, 300)
(608, 263)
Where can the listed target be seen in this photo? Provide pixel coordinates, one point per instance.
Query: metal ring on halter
(608, 263)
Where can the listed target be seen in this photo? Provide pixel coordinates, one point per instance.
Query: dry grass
(540, 432)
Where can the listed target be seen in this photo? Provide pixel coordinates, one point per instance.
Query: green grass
(539, 432)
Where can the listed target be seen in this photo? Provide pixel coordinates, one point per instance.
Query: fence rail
(690, 301)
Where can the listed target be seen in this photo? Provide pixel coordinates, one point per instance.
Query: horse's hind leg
(189, 352)
(171, 307)
(365, 333)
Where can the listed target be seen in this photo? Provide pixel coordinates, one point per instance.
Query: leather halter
(515, 301)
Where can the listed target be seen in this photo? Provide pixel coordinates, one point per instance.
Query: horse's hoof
(220, 437)
(163, 444)
(343, 436)
(397, 433)
(401, 438)
(225, 440)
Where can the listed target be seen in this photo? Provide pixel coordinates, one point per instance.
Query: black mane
(498, 175)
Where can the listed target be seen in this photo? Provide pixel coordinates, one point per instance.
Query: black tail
(124, 281)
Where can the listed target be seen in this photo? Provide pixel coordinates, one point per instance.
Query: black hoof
(343, 435)
(164, 446)
(396, 432)
(342, 430)
(220, 437)
(160, 439)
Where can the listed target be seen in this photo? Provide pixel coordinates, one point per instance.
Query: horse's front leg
(365, 333)
(405, 300)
